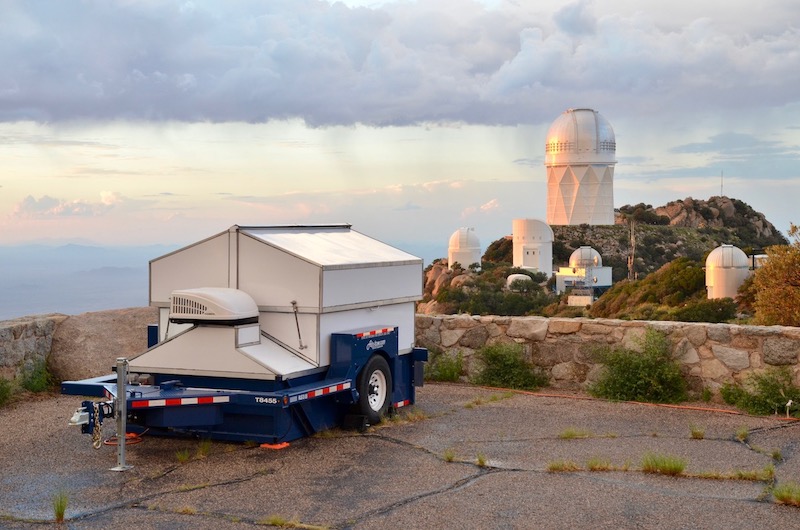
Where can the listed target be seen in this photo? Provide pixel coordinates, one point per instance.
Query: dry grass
(562, 466)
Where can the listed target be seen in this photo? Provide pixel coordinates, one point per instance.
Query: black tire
(374, 389)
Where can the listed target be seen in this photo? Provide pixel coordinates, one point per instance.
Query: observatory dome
(584, 258)
(464, 239)
(464, 248)
(727, 256)
(727, 267)
(580, 135)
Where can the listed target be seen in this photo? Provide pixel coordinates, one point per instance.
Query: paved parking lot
(467, 458)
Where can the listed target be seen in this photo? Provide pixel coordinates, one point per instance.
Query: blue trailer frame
(267, 411)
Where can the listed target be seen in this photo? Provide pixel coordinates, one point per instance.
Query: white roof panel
(331, 246)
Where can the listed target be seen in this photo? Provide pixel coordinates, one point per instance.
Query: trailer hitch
(91, 416)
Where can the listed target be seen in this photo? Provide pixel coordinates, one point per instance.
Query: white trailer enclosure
(307, 281)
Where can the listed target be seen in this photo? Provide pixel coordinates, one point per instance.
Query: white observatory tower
(727, 267)
(533, 245)
(464, 248)
(579, 156)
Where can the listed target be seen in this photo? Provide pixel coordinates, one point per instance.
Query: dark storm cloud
(397, 64)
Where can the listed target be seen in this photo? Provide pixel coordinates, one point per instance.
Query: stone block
(685, 352)
(591, 328)
(531, 328)
(564, 326)
(714, 369)
(474, 338)
(719, 333)
(736, 360)
(696, 333)
(450, 337)
(779, 351)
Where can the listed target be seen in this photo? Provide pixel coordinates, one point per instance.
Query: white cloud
(394, 63)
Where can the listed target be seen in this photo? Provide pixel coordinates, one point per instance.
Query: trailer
(269, 334)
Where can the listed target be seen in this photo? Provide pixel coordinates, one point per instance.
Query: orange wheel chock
(283, 445)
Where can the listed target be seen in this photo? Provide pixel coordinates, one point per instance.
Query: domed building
(580, 156)
(533, 245)
(585, 276)
(464, 248)
(727, 267)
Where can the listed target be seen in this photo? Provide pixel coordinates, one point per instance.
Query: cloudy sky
(149, 122)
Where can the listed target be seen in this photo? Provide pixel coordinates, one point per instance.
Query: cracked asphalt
(418, 472)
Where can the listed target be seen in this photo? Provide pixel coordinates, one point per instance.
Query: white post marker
(121, 410)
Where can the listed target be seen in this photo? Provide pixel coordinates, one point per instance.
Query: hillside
(673, 239)
(687, 228)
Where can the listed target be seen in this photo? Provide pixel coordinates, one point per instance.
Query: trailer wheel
(374, 389)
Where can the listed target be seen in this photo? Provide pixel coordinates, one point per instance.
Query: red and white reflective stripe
(401, 404)
(320, 392)
(374, 332)
(171, 402)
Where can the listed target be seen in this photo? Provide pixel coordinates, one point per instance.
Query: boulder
(88, 345)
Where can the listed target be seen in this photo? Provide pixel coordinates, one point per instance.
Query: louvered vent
(187, 307)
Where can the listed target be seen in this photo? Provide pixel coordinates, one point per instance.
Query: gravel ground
(398, 474)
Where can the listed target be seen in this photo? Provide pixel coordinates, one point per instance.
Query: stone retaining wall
(25, 342)
(710, 354)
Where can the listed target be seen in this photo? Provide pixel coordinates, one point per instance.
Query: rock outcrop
(88, 345)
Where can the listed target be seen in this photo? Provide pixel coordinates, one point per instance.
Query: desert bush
(505, 366)
(651, 375)
(5, 391)
(714, 310)
(37, 378)
(766, 392)
(443, 367)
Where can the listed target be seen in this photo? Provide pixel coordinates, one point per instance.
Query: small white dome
(585, 257)
(531, 230)
(464, 239)
(517, 277)
(727, 257)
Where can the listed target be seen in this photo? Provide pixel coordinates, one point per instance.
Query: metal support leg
(122, 413)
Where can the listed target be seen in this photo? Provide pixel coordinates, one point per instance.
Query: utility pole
(632, 253)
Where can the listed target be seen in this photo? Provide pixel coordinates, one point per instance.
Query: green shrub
(37, 378)
(714, 310)
(766, 392)
(443, 367)
(651, 375)
(5, 391)
(505, 366)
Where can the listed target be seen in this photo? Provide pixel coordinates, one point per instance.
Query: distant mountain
(71, 279)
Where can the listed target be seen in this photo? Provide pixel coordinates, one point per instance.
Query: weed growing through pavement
(187, 510)
(697, 433)
(787, 493)
(204, 448)
(183, 456)
(562, 466)
(777, 455)
(481, 460)
(491, 399)
(283, 522)
(191, 487)
(571, 433)
(599, 464)
(742, 434)
(663, 464)
(60, 501)
(449, 455)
